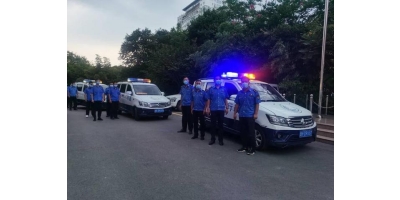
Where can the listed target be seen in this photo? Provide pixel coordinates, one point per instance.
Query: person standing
(97, 99)
(88, 99)
(72, 91)
(113, 97)
(108, 103)
(199, 100)
(247, 103)
(186, 100)
(217, 104)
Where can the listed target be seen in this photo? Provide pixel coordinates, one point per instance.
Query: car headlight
(168, 103)
(173, 99)
(144, 104)
(281, 121)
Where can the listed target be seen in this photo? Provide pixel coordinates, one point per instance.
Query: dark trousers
(198, 115)
(89, 106)
(72, 99)
(68, 100)
(108, 108)
(96, 107)
(114, 109)
(187, 118)
(217, 115)
(247, 132)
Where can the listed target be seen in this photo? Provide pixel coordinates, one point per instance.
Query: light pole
(323, 57)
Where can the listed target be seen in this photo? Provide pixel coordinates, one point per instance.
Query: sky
(100, 26)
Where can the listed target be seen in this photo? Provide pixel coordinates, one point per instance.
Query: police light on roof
(139, 80)
(229, 75)
(250, 76)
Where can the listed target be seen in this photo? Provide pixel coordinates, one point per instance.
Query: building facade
(197, 8)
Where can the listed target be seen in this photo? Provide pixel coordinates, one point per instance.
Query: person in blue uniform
(72, 92)
(247, 103)
(108, 103)
(113, 97)
(68, 95)
(186, 100)
(217, 105)
(88, 99)
(199, 100)
(97, 99)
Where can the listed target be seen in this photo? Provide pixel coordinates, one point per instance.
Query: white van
(142, 99)
(280, 123)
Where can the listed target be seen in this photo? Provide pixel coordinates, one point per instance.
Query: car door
(80, 96)
(123, 96)
(129, 98)
(232, 89)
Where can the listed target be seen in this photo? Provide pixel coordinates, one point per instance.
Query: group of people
(197, 103)
(94, 98)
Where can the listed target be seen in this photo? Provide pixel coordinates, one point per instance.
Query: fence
(310, 102)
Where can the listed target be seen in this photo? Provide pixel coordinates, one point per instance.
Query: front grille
(301, 122)
(158, 105)
(295, 138)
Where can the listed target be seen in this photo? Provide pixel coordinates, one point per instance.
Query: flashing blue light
(139, 80)
(230, 75)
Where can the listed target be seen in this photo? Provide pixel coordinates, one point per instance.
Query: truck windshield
(146, 90)
(267, 92)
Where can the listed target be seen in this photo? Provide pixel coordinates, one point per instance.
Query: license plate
(305, 133)
(159, 111)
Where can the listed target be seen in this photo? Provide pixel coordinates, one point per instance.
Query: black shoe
(194, 137)
(94, 119)
(70, 109)
(108, 116)
(211, 142)
(251, 152)
(202, 138)
(190, 132)
(112, 118)
(243, 149)
(116, 117)
(75, 109)
(100, 119)
(181, 131)
(221, 143)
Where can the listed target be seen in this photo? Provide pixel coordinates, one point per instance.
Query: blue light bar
(139, 80)
(230, 75)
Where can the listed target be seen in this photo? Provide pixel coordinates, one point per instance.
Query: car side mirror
(129, 93)
(162, 93)
(233, 97)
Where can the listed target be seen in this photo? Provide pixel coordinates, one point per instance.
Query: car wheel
(136, 115)
(261, 142)
(165, 116)
(178, 106)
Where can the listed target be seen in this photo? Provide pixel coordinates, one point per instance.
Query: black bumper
(144, 112)
(288, 137)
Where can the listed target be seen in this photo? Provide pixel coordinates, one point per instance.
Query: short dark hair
(185, 77)
(198, 80)
(215, 77)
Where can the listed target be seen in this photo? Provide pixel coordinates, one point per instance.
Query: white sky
(100, 26)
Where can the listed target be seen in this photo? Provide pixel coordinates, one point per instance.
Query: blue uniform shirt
(114, 93)
(217, 98)
(199, 98)
(98, 92)
(247, 102)
(88, 92)
(107, 91)
(72, 91)
(186, 94)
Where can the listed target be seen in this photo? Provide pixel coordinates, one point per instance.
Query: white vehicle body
(280, 123)
(143, 100)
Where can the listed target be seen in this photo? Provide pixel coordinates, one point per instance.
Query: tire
(178, 106)
(261, 139)
(165, 116)
(136, 115)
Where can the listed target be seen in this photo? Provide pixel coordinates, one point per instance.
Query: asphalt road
(128, 159)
